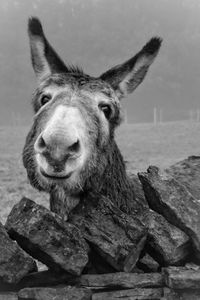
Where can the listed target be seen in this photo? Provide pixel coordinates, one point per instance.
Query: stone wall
(101, 252)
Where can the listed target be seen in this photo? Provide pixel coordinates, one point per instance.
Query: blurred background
(161, 118)
(97, 34)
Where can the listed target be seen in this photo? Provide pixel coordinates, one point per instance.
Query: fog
(98, 34)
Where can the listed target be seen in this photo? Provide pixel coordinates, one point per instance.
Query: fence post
(155, 115)
(160, 115)
(198, 115)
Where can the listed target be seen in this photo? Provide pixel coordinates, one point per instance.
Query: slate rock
(93, 281)
(170, 294)
(46, 237)
(98, 265)
(8, 296)
(192, 266)
(116, 236)
(14, 262)
(138, 190)
(47, 278)
(186, 295)
(166, 243)
(131, 294)
(181, 278)
(187, 172)
(57, 293)
(172, 200)
(148, 264)
(122, 280)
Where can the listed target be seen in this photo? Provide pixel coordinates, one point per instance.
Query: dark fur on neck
(113, 183)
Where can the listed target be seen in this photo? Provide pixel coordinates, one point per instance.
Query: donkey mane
(75, 69)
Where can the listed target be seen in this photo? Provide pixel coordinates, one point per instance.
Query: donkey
(70, 151)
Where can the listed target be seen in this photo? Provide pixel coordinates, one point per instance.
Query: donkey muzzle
(57, 148)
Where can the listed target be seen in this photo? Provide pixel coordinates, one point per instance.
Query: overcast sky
(97, 34)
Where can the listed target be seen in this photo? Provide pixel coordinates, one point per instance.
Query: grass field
(141, 144)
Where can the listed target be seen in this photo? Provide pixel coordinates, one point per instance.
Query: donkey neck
(62, 203)
(114, 183)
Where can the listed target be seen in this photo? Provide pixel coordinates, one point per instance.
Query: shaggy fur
(104, 170)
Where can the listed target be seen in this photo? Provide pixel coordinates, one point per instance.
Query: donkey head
(75, 115)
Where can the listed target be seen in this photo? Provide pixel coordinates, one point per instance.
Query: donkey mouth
(55, 176)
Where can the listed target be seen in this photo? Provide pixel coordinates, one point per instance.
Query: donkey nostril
(40, 144)
(74, 147)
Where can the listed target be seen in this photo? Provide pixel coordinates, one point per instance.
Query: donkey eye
(44, 99)
(106, 109)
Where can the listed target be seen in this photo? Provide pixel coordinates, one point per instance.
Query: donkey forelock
(70, 147)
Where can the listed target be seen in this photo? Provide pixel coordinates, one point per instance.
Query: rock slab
(46, 279)
(172, 200)
(45, 236)
(148, 264)
(8, 296)
(14, 262)
(170, 294)
(182, 278)
(166, 243)
(58, 293)
(138, 190)
(187, 172)
(131, 294)
(116, 236)
(122, 280)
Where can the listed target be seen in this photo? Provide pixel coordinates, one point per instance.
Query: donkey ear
(126, 77)
(45, 60)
